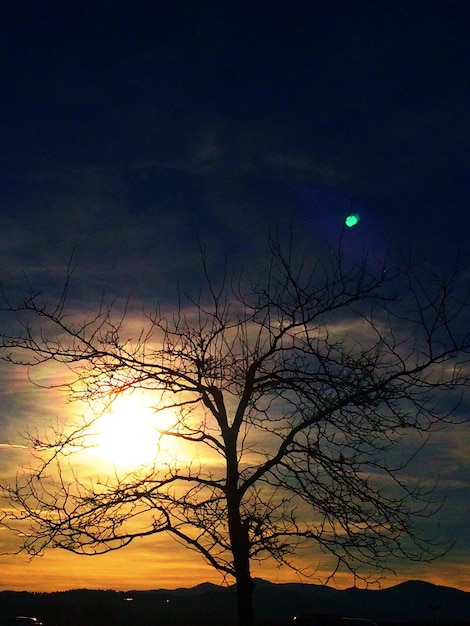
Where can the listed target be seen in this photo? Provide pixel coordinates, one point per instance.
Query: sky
(132, 133)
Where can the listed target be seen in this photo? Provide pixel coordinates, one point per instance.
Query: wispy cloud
(13, 446)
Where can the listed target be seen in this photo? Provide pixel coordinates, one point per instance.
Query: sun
(126, 435)
(139, 431)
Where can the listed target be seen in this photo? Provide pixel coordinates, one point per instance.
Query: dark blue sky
(130, 127)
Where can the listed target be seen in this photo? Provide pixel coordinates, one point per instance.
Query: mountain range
(207, 604)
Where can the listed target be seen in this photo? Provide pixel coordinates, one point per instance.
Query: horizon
(233, 585)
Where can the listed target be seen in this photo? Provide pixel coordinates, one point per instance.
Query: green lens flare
(352, 220)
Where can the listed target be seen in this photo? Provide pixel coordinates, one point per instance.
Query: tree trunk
(240, 541)
(245, 585)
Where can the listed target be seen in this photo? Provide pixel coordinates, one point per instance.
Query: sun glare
(127, 434)
(132, 434)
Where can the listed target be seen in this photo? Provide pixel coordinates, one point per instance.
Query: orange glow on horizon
(160, 563)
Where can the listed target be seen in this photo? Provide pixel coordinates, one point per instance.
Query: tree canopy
(293, 389)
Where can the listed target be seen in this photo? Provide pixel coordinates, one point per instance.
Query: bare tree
(301, 384)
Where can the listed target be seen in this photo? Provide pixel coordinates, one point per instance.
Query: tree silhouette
(301, 382)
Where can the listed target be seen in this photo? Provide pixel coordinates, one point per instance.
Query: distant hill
(414, 602)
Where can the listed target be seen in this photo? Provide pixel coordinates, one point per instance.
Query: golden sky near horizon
(164, 564)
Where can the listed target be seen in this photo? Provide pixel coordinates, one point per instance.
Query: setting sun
(127, 434)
